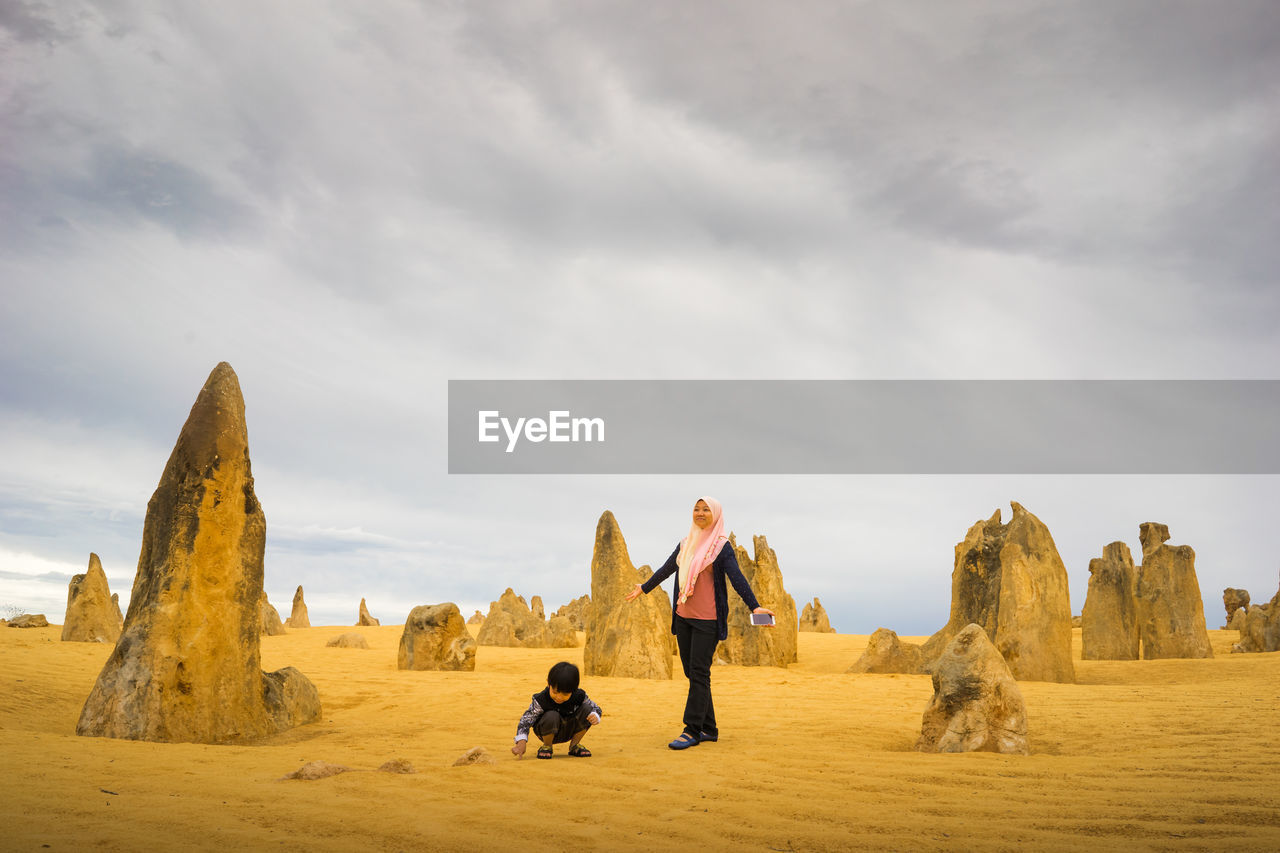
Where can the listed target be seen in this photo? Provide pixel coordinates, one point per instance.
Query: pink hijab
(699, 549)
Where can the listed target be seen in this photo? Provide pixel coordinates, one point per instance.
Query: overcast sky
(353, 203)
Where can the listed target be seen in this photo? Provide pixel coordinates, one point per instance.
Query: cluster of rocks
(186, 666)
(1154, 608)
(513, 623)
(93, 613)
(1259, 624)
(814, 618)
(747, 644)
(578, 612)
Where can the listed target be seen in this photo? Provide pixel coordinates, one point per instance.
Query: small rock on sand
(313, 770)
(398, 765)
(475, 755)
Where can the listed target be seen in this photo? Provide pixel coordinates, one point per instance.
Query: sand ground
(1147, 755)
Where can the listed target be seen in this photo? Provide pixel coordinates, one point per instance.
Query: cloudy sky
(354, 203)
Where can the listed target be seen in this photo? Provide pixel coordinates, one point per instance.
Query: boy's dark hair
(563, 677)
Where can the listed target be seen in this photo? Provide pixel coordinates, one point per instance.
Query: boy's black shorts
(564, 728)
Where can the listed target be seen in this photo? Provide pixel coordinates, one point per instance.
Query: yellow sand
(1152, 755)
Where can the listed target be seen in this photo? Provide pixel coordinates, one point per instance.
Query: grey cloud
(136, 183)
(974, 202)
(30, 21)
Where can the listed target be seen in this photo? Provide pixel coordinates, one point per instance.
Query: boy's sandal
(579, 751)
(544, 752)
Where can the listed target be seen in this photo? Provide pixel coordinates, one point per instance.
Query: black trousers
(564, 728)
(697, 639)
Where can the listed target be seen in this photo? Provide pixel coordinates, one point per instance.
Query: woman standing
(700, 611)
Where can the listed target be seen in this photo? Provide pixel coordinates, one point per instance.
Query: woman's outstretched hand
(765, 610)
(631, 596)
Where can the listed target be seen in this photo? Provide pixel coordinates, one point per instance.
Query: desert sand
(1147, 755)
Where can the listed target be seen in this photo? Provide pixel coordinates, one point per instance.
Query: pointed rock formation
(630, 639)
(270, 618)
(814, 619)
(187, 664)
(1009, 579)
(887, 653)
(436, 638)
(477, 618)
(1109, 620)
(298, 616)
(91, 616)
(115, 606)
(976, 704)
(576, 611)
(349, 640)
(535, 605)
(751, 645)
(365, 619)
(1170, 609)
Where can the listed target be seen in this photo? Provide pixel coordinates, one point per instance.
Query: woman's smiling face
(702, 515)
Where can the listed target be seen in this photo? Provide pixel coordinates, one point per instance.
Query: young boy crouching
(559, 713)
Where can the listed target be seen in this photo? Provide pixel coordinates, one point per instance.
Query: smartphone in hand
(761, 618)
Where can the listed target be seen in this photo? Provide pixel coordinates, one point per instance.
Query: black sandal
(579, 751)
(544, 752)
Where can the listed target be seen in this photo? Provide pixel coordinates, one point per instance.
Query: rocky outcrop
(269, 617)
(1109, 621)
(976, 704)
(298, 617)
(187, 665)
(1237, 620)
(29, 620)
(513, 624)
(814, 619)
(477, 618)
(1009, 579)
(577, 612)
(1260, 628)
(751, 645)
(1234, 599)
(365, 620)
(115, 606)
(349, 640)
(535, 606)
(91, 614)
(1170, 609)
(627, 639)
(885, 652)
(436, 638)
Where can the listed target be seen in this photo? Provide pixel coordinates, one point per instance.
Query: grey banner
(864, 427)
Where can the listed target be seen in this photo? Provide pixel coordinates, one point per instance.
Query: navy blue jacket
(726, 563)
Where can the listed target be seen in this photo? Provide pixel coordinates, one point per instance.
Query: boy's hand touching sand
(518, 749)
